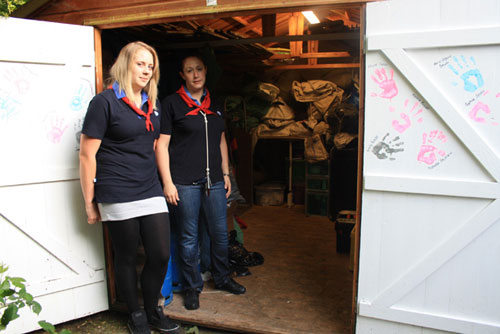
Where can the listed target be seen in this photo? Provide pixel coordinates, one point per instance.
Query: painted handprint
(386, 148)
(428, 151)
(20, 78)
(77, 126)
(471, 77)
(80, 98)
(478, 108)
(56, 128)
(414, 112)
(8, 106)
(387, 84)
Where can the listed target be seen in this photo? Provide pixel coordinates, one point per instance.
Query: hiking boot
(232, 286)
(159, 321)
(138, 323)
(191, 299)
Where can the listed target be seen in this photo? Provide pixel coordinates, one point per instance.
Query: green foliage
(49, 328)
(7, 7)
(13, 297)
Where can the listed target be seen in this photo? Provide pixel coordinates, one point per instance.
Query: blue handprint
(8, 107)
(79, 99)
(468, 73)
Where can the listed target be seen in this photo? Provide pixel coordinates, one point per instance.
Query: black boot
(138, 323)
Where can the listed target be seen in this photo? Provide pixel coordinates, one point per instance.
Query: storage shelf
(317, 192)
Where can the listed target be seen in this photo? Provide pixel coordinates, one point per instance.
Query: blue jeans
(193, 201)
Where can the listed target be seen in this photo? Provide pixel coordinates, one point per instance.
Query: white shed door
(430, 225)
(47, 78)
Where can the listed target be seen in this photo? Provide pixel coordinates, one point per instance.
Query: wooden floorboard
(304, 285)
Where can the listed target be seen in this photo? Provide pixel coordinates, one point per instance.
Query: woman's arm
(88, 164)
(163, 161)
(225, 164)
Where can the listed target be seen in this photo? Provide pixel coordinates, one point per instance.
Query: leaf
(5, 285)
(24, 295)
(9, 314)
(17, 282)
(65, 331)
(47, 326)
(3, 268)
(36, 307)
(6, 292)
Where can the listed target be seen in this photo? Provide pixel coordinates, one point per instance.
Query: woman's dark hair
(190, 53)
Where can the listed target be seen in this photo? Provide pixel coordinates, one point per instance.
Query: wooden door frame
(359, 185)
(99, 87)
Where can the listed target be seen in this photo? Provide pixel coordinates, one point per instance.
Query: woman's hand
(171, 194)
(227, 185)
(93, 215)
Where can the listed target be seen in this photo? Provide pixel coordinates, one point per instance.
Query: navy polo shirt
(187, 147)
(126, 162)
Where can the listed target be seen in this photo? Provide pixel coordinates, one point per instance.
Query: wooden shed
(425, 79)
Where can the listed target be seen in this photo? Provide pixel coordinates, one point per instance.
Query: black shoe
(159, 321)
(191, 299)
(138, 323)
(232, 286)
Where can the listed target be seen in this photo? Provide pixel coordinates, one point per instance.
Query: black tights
(154, 230)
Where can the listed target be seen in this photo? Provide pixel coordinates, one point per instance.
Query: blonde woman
(120, 182)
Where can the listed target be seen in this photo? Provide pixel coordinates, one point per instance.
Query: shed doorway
(305, 284)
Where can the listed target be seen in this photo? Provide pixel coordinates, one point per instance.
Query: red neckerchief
(149, 124)
(191, 104)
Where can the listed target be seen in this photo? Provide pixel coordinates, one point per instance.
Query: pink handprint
(428, 152)
(388, 85)
(18, 79)
(57, 130)
(413, 112)
(476, 109)
(482, 107)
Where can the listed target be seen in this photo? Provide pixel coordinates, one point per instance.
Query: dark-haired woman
(120, 184)
(193, 163)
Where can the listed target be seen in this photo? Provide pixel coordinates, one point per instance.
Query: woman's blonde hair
(120, 71)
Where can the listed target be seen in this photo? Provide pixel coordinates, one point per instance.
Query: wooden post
(296, 27)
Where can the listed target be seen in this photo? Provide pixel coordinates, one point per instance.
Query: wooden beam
(312, 46)
(306, 55)
(175, 9)
(264, 40)
(130, 13)
(269, 25)
(318, 66)
(30, 8)
(253, 26)
(98, 61)
(296, 27)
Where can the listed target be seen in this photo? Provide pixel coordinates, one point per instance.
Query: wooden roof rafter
(342, 15)
(255, 25)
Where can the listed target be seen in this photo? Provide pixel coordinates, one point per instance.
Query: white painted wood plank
(61, 307)
(65, 283)
(409, 16)
(55, 248)
(453, 188)
(445, 109)
(47, 49)
(439, 255)
(442, 322)
(35, 176)
(433, 39)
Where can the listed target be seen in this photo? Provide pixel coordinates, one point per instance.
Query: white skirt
(127, 210)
